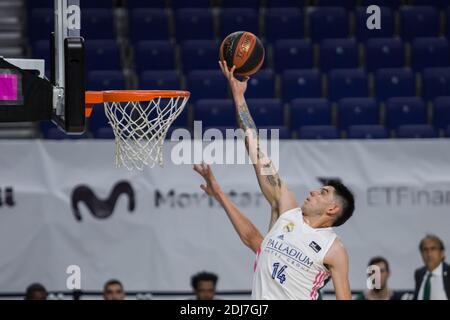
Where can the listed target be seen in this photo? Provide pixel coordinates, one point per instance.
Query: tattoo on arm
(274, 181)
(244, 118)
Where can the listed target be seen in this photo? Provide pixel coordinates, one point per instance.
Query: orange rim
(141, 95)
(97, 97)
(91, 98)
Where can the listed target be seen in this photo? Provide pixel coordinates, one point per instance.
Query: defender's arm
(246, 230)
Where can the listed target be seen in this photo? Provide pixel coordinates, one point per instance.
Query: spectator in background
(380, 289)
(204, 285)
(432, 280)
(113, 290)
(36, 291)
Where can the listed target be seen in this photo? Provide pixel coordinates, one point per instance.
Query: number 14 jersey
(289, 264)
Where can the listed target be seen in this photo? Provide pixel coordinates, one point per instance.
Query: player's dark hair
(203, 276)
(433, 238)
(347, 200)
(379, 259)
(34, 288)
(111, 282)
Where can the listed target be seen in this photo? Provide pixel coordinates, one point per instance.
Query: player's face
(319, 200)
(205, 290)
(114, 292)
(38, 295)
(432, 254)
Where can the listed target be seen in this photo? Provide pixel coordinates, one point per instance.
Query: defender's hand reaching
(212, 188)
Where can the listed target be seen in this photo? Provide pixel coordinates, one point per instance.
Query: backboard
(67, 66)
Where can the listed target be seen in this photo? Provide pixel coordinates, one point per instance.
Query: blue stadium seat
(441, 112)
(394, 4)
(265, 132)
(387, 24)
(283, 132)
(266, 112)
(98, 119)
(176, 4)
(105, 80)
(286, 3)
(149, 24)
(41, 24)
(102, 55)
(305, 83)
(338, 54)
(159, 80)
(233, 19)
(344, 83)
(50, 131)
(318, 132)
(393, 82)
(283, 23)
(57, 134)
(193, 23)
(182, 120)
(241, 4)
(215, 112)
(448, 24)
(422, 21)
(357, 111)
(348, 4)
(405, 110)
(415, 131)
(310, 112)
(40, 4)
(41, 50)
(435, 82)
(97, 23)
(44, 126)
(328, 22)
(155, 55)
(134, 4)
(367, 132)
(104, 4)
(429, 52)
(293, 54)
(221, 132)
(200, 55)
(207, 84)
(434, 3)
(103, 133)
(261, 85)
(384, 53)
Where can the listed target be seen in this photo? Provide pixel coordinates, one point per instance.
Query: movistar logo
(99, 208)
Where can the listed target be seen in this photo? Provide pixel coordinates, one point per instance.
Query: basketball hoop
(140, 120)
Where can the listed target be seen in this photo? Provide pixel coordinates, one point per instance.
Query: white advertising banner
(64, 203)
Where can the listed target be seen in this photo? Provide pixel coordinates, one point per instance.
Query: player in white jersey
(301, 250)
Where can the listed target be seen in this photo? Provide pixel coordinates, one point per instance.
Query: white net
(140, 129)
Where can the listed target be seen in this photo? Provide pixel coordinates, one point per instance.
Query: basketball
(244, 50)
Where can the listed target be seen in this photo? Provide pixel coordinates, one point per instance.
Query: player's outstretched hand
(237, 87)
(212, 188)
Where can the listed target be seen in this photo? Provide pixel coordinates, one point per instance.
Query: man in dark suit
(432, 280)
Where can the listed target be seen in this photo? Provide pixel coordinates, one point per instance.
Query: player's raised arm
(273, 188)
(246, 230)
(336, 260)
